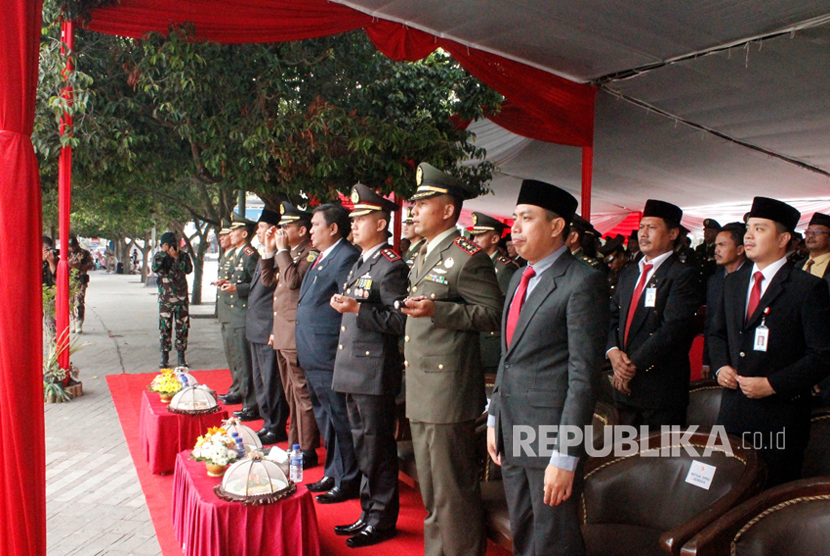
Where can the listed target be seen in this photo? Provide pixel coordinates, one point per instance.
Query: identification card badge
(761, 338)
(651, 297)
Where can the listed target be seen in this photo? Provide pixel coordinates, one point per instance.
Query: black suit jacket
(318, 324)
(550, 373)
(660, 337)
(826, 276)
(259, 321)
(371, 361)
(714, 298)
(798, 354)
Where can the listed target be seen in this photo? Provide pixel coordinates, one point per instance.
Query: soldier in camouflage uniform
(81, 260)
(171, 267)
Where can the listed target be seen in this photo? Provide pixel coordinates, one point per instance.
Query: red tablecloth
(163, 434)
(205, 525)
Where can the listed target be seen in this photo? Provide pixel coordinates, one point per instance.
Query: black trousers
(372, 418)
(539, 529)
(333, 421)
(273, 408)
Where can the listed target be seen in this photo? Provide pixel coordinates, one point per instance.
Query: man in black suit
(769, 344)
(317, 331)
(259, 322)
(730, 257)
(369, 366)
(548, 374)
(652, 315)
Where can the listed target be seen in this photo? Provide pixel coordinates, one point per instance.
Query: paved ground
(94, 501)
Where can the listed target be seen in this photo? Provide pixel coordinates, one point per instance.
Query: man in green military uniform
(454, 297)
(171, 267)
(582, 234)
(487, 233)
(415, 240)
(705, 252)
(234, 285)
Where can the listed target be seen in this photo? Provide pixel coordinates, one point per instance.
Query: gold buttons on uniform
(432, 296)
(349, 290)
(414, 288)
(367, 353)
(406, 363)
(340, 346)
(440, 367)
(743, 354)
(406, 338)
(343, 328)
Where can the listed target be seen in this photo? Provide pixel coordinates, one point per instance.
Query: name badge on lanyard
(762, 334)
(651, 297)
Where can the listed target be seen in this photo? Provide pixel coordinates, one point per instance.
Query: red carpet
(126, 394)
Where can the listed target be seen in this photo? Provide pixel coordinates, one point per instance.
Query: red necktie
(516, 305)
(754, 295)
(809, 265)
(317, 260)
(635, 299)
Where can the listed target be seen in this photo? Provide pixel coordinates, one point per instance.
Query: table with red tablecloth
(163, 434)
(206, 525)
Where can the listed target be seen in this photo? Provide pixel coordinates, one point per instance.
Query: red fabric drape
(22, 456)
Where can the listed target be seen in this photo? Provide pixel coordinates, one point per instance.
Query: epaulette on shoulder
(507, 261)
(248, 250)
(391, 255)
(467, 246)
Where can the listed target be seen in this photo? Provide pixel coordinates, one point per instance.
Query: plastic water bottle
(240, 447)
(297, 464)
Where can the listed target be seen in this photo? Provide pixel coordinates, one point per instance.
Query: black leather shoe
(309, 459)
(336, 495)
(269, 438)
(370, 536)
(230, 399)
(244, 414)
(351, 528)
(323, 485)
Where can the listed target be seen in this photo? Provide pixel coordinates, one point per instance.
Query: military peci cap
(820, 219)
(289, 213)
(408, 217)
(661, 209)
(269, 217)
(226, 227)
(366, 200)
(432, 182)
(775, 210)
(238, 221)
(483, 223)
(548, 196)
(712, 224)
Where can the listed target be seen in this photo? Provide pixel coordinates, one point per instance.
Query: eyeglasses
(815, 232)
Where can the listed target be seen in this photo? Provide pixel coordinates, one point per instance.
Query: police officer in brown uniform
(369, 364)
(487, 233)
(454, 297)
(288, 256)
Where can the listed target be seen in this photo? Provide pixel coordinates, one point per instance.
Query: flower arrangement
(165, 383)
(215, 447)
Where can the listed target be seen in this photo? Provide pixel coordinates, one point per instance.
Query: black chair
(817, 454)
(704, 403)
(790, 519)
(641, 505)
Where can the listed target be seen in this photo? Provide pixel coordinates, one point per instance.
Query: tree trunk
(197, 255)
(124, 257)
(145, 256)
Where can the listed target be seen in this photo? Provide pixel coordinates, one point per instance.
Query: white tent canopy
(700, 103)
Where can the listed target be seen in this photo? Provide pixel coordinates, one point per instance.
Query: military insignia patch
(475, 219)
(248, 250)
(311, 256)
(282, 208)
(467, 246)
(391, 255)
(419, 176)
(449, 262)
(355, 196)
(507, 261)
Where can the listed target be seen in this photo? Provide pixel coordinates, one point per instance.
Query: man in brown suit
(288, 256)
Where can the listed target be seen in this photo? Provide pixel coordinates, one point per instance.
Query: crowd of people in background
(327, 324)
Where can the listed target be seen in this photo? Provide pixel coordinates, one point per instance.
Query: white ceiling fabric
(773, 95)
